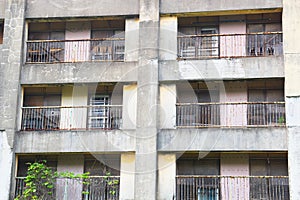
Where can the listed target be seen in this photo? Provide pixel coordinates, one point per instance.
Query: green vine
(41, 179)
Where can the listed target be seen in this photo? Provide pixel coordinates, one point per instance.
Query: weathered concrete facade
(151, 79)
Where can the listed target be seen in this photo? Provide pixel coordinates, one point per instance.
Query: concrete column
(291, 31)
(234, 115)
(129, 106)
(74, 117)
(147, 104)
(127, 176)
(234, 164)
(6, 156)
(168, 38)
(131, 39)
(69, 189)
(166, 176)
(168, 98)
(10, 66)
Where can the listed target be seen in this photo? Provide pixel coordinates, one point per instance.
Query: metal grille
(66, 118)
(232, 187)
(57, 51)
(229, 45)
(264, 114)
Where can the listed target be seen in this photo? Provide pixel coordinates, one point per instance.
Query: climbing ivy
(41, 179)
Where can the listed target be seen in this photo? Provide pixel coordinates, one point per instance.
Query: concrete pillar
(127, 176)
(168, 38)
(10, 66)
(129, 106)
(168, 97)
(166, 176)
(6, 156)
(147, 104)
(233, 114)
(69, 188)
(131, 39)
(291, 31)
(74, 118)
(79, 50)
(234, 164)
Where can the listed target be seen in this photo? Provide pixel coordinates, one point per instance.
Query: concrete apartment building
(193, 99)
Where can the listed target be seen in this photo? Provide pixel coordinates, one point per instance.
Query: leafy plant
(111, 182)
(41, 179)
(281, 120)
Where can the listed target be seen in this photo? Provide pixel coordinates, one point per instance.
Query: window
(267, 43)
(203, 45)
(99, 112)
(1, 32)
(270, 187)
(38, 111)
(204, 187)
(45, 50)
(265, 112)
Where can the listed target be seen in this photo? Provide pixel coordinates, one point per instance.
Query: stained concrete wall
(222, 69)
(75, 141)
(2, 8)
(76, 8)
(179, 6)
(251, 139)
(6, 156)
(10, 67)
(291, 29)
(79, 73)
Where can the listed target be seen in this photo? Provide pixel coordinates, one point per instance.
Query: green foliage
(40, 181)
(281, 120)
(112, 183)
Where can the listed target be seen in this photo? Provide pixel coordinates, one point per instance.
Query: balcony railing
(67, 118)
(232, 187)
(98, 188)
(58, 51)
(229, 45)
(248, 114)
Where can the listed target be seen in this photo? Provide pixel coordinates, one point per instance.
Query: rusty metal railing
(95, 188)
(245, 114)
(66, 118)
(229, 45)
(58, 51)
(232, 187)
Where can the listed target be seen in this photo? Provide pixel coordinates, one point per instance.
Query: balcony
(70, 51)
(98, 187)
(247, 114)
(50, 118)
(232, 187)
(216, 46)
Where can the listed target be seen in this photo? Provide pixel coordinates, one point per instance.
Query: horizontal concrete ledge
(222, 69)
(84, 72)
(179, 6)
(79, 8)
(216, 139)
(74, 141)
